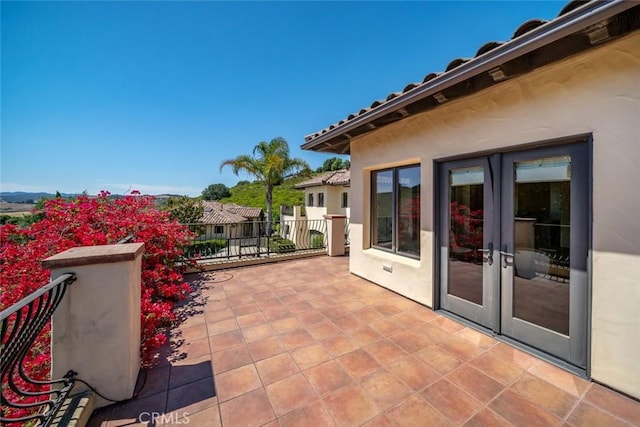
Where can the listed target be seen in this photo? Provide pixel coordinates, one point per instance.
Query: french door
(514, 237)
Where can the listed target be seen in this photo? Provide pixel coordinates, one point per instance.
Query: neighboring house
(326, 193)
(225, 221)
(504, 189)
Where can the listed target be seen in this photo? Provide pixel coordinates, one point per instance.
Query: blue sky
(154, 95)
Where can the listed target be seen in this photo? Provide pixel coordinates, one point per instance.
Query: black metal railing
(21, 324)
(255, 239)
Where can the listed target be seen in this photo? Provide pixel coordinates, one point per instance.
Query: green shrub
(279, 245)
(317, 241)
(203, 248)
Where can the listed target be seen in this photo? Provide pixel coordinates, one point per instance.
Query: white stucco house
(503, 190)
(324, 194)
(228, 220)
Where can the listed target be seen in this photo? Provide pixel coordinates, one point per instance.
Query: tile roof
(339, 177)
(463, 76)
(219, 213)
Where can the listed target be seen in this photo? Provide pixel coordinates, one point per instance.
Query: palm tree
(269, 163)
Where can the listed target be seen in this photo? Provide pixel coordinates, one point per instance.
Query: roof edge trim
(562, 26)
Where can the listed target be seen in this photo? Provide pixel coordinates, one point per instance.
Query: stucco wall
(595, 92)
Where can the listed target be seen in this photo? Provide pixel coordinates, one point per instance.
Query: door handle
(489, 253)
(506, 255)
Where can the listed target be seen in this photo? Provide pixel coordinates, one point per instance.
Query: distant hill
(252, 195)
(26, 197)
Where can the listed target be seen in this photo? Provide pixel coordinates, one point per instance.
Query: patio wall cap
(334, 216)
(101, 254)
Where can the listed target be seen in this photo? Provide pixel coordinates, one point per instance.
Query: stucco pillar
(96, 328)
(335, 234)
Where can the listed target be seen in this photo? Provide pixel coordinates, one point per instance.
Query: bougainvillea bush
(88, 221)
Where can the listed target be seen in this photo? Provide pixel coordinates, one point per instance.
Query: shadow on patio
(305, 343)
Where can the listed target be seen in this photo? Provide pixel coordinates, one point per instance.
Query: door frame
(584, 138)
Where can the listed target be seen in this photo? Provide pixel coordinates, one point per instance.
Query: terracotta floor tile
(250, 409)
(511, 354)
(387, 309)
(265, 347)
(438, 359)
(486, 417)
(193, 349)
(328, 377)
(300, 307)
(407, 320)
(416, 412)
(257, 332)
(297, 338)
(385, 389)
(226, 340)
(290, 393)
(216, 303)
(236, 382)
(516, 409)
(334, 312)
(232, 358)
(380, 421)
(386, 327)
(348, 323)
(560, 378)
(192, 397)
(323, 330)
(367, 315)
(385, 352)
(339, 345)
(312, 317)
(245, 309)
(285, 324)
(364, 336)
(351, 406)
(478, 339)
(276, 368)
(411, 341)
(218, 315)
(587, 415)
(461, 348)
(475, 383)
(414, 373)
(189, 370)
(500, 370)
(359, 364)
(451, 401)
(275, 313)
(222, 326)
(544, 395)
(129, 412)
(614, 403)
(425, 314)
(190, 334)
(238, 300)
(269, 303)
(447, 324)
(313, 416)
(209, 417)
(155, 380)
(250, 319)
(310, 356)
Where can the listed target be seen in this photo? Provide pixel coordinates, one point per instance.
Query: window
(395, 210)
(310, 200)
(321, 200)
(218, 229)
(345, 199)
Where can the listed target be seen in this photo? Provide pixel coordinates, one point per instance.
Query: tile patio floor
(304, 343)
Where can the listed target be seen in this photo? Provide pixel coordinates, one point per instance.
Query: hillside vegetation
(252, 194)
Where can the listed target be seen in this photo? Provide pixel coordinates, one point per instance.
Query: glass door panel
(544, 245)
(466, 246)
(466, 207)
